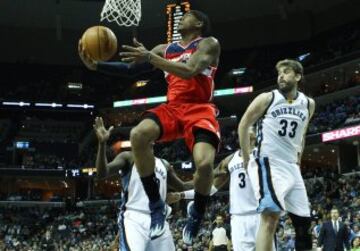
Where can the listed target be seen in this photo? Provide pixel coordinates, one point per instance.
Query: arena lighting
(160, 99)
(85, 106)
(141, 83)
(341, 133)
(238, 71)
(303, 56)
(75, 86)
(16, 103)
(53, 105)
(22, 144)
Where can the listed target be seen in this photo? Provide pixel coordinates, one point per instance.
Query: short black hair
(202, 17)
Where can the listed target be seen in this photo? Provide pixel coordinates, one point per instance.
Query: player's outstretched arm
(253, 113)
(207, 54)
(115, 68)
(103, 168)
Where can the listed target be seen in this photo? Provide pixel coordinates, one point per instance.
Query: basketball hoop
(123, 12)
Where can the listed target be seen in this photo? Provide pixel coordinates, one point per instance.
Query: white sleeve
(190, 194)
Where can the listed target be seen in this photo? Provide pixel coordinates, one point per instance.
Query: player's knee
(143, 134)
(302, 225)
(204, 164)
(135, 136)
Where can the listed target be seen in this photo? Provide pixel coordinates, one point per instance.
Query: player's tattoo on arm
(206, 55)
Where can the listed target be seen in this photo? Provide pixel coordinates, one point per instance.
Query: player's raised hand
(90, 63)
(173, 197)
(135, 54)
(101, 133)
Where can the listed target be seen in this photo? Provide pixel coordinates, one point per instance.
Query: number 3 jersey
(280, 131)
(242, 196)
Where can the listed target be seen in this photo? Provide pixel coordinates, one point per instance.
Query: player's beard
(287, 88)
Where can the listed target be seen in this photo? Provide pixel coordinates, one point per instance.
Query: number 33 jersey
(280, 131)
(242, 196)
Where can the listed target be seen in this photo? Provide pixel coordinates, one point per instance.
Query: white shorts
(278, 186)
(134, 234)
(244, 229)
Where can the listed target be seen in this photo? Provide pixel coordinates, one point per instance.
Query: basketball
(100, 42)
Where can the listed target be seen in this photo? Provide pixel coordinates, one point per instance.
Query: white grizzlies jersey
(242, 196)
(280, 131)
(133, 194)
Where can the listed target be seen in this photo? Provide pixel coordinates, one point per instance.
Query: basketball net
(123, 12)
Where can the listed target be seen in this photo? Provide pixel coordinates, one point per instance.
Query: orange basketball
(100, 42)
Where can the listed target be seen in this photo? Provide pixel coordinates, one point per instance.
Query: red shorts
(181, 121)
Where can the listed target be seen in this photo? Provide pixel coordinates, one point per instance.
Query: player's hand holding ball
(90, 63)
(101, 133)
(98, 43)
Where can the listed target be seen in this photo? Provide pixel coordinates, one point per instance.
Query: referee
(220, 236)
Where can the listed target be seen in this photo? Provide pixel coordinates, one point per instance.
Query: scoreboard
(174, 14)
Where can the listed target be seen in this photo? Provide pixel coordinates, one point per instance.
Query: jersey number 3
(242, 180)
(284, 129)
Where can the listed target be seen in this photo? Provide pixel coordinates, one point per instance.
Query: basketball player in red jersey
(189, 67)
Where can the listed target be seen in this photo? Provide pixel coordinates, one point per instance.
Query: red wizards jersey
(198, 89)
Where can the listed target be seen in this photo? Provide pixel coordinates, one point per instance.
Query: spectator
(333, 234)
(356, 244)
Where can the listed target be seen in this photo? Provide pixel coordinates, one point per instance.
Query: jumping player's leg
(142, 138)
(266, 233)
(204, 155)
(157, 123)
